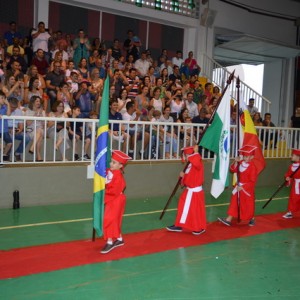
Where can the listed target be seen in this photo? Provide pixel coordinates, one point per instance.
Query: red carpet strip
(51, 257)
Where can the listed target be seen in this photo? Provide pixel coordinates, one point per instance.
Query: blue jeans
(20, 137)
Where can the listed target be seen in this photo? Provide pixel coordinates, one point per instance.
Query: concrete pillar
(41, 12)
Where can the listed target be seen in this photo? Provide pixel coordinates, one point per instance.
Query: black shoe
(86, 157)
(174, 228)
(251, 222)
(18, 158)
(76, 157)
(107, 248)
(224, 221)
(118, 243)
(198, 232)
(131, 154)
(5, 158)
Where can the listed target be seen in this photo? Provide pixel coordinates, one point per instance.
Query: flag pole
(230, 78)
(238, 147)
(280, 187)
(100, 169)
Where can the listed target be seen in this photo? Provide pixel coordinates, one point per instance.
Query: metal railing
(144, 141)
(218, 75)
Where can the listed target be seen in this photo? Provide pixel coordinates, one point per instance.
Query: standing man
(11, 34)
(251, 108)
(40, 39)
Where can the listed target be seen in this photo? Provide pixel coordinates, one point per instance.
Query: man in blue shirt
(117, 132)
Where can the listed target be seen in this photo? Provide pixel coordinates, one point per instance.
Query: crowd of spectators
(52, 74)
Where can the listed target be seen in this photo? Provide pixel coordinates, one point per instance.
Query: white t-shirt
(41, 41)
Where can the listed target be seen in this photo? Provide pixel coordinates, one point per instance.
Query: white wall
(238, 19)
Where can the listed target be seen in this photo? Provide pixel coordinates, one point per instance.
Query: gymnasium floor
(238, 262)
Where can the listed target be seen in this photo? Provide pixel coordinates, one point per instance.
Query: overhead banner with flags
(101, 161)
(248, 136)
(217, 140)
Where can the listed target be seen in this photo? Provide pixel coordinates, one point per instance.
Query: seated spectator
(58, 57)
(73, 82)
(176, 76)
(123, 100)
(17, 130)
(84, 73)
(176, 105)
(170, 138)
(35, 129)
(33, 90)
(53, 80)
(64, 54)
(4, 132)
(198, 93)
(151, 76)
(200, 119)
(177, 60)
(157, 135)
(70, 69)
(142, 100)
(116, 131)
(83, 99)
(213, 106)
(268, 135)
(33, 72)
(40, 62)
(191, 106)
(69, 49)
(133, 84)
(16, 43)
(135, 132)
(64, 96)
(77, 132)
(208, 93)
(257, 121)
(92, 58)
(119, 80)
(116, 49)
(14, 89)
(157, 102)
(17, 57)
(15, 70)
(164, 75)
(185, 132)
(96, 88)
(99, 67)
(142, 65)
(191, 66)
(216, 92)
(58, 130)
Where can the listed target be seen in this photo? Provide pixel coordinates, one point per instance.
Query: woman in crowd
(14, 89)
(33, 90)
(58, 132)
(123, 100)
(84, 73)
(157, 102)
(34, 128)
(142, 100)
(82, 47)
